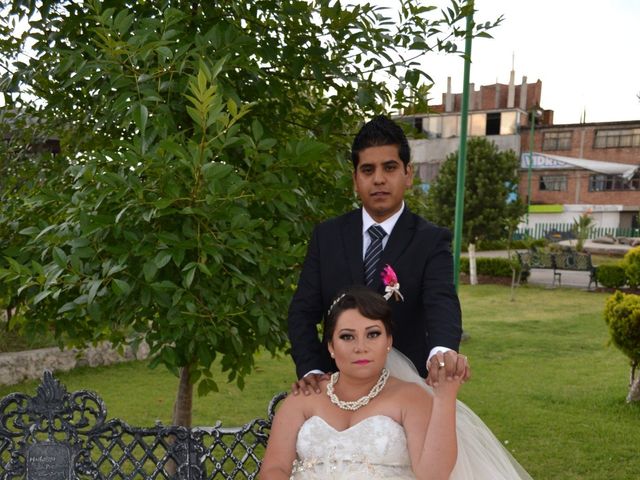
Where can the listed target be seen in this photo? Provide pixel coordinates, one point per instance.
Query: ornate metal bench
(56, 435)
(565, 260)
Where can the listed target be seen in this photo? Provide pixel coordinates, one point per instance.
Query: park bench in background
(558, 235)
(59, 435)
(557, 261)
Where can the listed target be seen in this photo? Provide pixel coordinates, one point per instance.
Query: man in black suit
(427, 324)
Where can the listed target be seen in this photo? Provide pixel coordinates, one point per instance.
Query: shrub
(493, 267)
(464, 265)
(622, 315)
(631, 264)
(492, 245)
(611, 276)
(504, 244)
(12, 340)
(526, 244)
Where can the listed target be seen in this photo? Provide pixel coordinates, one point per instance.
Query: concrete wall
(16, 367)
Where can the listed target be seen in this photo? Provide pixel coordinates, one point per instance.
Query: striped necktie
(373, 253)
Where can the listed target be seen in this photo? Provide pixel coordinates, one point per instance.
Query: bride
(378, 419)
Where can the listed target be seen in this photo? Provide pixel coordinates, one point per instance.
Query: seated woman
(372, 424)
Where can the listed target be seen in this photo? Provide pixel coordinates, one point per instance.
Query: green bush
(15, 341)
(493, 267)
(611, 276)
(631, 264)
(486, 245)
(622, 315)
(492, 245)
(526, 244)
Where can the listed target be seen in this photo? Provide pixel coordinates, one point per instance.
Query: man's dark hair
(370, 304)
(378, 132)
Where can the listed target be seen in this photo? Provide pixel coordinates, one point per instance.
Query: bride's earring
(333, 355)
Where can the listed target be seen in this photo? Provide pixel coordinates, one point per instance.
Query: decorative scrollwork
(51, 411)
(57, 421)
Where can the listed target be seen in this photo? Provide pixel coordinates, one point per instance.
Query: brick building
(496, 111)
(600, 174)
(597, 174)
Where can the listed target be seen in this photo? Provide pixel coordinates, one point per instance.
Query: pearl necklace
(362, 401)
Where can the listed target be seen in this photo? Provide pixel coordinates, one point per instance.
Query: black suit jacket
(420, 254)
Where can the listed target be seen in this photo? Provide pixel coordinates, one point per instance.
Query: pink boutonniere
(391, 284)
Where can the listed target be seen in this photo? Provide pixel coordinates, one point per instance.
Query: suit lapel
(352, 241)
(399, 240)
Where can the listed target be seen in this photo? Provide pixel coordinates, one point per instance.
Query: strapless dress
(374, 448)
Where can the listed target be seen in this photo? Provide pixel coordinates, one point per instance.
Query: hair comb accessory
(340, 297)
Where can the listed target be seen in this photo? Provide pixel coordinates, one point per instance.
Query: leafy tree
(491, 207)
(200, 141)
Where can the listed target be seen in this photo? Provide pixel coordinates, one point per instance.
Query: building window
(493, 123)
(624, 137)
(605, 183)
(557, 140)
(553, 183)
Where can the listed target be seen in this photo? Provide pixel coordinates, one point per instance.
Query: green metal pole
(532, 120)
(462, 151)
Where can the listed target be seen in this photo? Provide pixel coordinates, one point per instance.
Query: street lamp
(534, 114)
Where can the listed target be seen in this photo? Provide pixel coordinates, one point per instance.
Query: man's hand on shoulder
(309, 383)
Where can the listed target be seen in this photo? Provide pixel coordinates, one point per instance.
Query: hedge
(622, 315)
(611, 276)
(631, 263)
(492, 267)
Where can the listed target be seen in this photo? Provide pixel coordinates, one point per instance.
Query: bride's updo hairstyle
(369, 303)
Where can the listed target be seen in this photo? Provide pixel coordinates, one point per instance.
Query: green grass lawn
(544, 380)
(547, 383)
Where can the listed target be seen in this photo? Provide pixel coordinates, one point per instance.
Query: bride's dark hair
(369, 303)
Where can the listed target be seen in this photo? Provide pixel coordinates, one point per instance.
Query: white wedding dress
(376, 447)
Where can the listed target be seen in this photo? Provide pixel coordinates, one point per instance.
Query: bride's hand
(447, 371)
(443, 388)
(456, 367)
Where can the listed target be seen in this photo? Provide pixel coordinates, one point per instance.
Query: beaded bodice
(375, 448)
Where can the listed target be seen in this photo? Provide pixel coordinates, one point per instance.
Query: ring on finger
(440, 364)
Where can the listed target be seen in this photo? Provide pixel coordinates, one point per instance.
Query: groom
(427, 324)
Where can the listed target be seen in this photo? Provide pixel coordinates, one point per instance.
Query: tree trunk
(182, 413)
(634, 385)
(634, 391)
(473, 274)
(182, 408)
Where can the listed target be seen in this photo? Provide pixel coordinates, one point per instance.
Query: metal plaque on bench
(48, 461)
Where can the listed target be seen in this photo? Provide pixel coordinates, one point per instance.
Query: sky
(585, 52)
